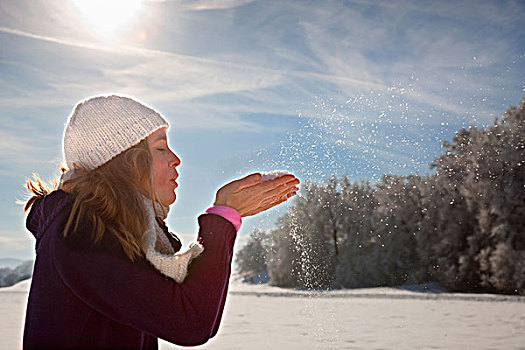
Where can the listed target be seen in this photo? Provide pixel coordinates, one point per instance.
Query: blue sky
(318, 88)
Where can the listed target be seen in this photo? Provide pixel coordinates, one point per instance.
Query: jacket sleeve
(135, 294)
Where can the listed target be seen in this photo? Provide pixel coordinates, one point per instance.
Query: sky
(318, 88)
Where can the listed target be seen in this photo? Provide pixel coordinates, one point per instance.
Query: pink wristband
(228, 213)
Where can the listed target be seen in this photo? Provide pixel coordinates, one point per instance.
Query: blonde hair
(108, 197)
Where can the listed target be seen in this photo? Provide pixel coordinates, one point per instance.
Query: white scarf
(159, 251)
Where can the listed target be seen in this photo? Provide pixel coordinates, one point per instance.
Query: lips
(174, 181)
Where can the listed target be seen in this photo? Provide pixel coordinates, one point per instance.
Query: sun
(105, 17)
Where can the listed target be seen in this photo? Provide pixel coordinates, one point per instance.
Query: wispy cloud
(207, 4)
(207, 64)
(12, 144)
(14, 244)
(342, 44)
(264, 76)
(160, 76)
(68, 42)
(423, 55)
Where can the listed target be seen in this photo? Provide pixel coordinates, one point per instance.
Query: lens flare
(106, 17)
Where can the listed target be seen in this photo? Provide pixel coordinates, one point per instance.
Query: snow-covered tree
(251, 258)
(314, 226)
(400, 213)
(9, 276)
(462, 226)
(484, 169)
(283, 258)
(358, 260)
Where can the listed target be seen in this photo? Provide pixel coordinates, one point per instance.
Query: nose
(175, 161)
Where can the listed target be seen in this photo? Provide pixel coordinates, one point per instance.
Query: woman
(108, 274)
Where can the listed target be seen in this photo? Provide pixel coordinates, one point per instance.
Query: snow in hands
(275, 174)
(270, 175)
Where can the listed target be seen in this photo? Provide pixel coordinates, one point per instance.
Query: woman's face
(164, 167)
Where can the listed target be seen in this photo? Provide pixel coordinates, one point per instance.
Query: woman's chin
(169, 200)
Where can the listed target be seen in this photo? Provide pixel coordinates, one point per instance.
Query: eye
(161, 149)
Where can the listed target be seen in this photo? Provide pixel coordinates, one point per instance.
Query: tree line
(463, 226)
(10, 276)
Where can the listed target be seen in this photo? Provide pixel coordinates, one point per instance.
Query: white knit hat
(102, 127)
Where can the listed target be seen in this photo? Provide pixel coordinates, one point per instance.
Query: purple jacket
(92, 296)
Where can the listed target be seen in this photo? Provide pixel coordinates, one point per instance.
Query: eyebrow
(160, 138)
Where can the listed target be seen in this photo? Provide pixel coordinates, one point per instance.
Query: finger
(248, 181)
(270, 204)
(282, 189)
(274, 203)
(283, 180)
(286, 193)
(290, 192)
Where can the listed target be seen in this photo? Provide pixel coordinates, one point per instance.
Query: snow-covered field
(263, 317)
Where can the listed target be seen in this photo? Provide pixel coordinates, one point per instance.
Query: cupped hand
(250, 196)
